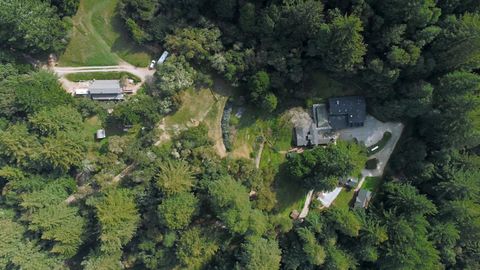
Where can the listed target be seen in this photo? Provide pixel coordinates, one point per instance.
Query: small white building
(327, 198)
(83, 92)
(101, 134)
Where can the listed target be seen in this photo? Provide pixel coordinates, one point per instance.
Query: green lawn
(344, 198)
(277, 130)
(98, 38)
(372, 183)
(86, 76)
(90, 127)
(196, 104)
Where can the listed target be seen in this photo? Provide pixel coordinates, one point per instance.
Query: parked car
(152, 64)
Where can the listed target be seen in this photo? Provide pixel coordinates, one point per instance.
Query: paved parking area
(371, 133)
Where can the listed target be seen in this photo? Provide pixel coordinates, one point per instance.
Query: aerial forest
(133, 201)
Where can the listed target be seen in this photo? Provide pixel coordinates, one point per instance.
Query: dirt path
(215, 131)
(259, 155)
(142, 73)
(306, 205)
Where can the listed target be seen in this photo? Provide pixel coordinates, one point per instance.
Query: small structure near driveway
(106, 90)
(363, 198)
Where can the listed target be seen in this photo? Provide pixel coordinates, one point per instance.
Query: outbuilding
(363, 198)
(101, 134)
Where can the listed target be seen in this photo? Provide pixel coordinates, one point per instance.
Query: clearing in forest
(99, 38)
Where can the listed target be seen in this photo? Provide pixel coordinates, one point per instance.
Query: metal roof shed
(106, 90)
(363, 198)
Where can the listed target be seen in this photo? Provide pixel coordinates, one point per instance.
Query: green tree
(173, 76)
(344, 221)
(18, 252)
(196, 248)
(315, 252)
(457, 46)
(178, 210)
(174, 177)
(43, 31)
(226, 9)
(196, 44)
(51, 121)
(61, 224)
(62, 152)
(260, 254)
(321, 167)
(37, 91)
(118, 218)
(231, 203)
(247, 17)
(455, 102)
(259, 86)
(18, 147)
(270, 102)
(340, 44)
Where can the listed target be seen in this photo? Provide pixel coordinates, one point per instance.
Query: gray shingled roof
(320, 116)
(346, 111)
(99, 87)
(301, 136)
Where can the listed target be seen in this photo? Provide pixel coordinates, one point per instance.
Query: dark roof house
(342, 112)
(363, 198)
(346, 112)
(311, 136)
(106, 90)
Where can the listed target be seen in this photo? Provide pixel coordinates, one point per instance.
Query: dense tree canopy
(132, 201)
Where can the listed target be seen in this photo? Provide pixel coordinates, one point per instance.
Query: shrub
(371, 164)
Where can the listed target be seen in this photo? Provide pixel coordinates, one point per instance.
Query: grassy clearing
(372, 183)
(321, 87)
(196, 105)
(380, 144)
(98, 38)
(277, 131)
(87, 76)
(90, 127)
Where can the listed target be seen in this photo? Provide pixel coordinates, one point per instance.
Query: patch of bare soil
(298, 117)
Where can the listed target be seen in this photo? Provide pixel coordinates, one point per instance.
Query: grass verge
(87, 76)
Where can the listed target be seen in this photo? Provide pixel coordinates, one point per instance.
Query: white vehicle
(152, 65)
(162, 58)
